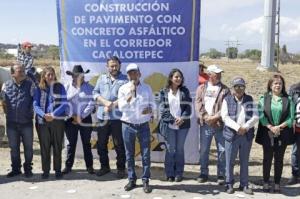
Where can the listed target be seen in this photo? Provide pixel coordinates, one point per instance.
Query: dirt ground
(79, 184)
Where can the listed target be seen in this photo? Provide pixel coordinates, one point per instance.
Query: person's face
(239, 91)
(49, 77)
(19, 73)
(113, 67)
(27, 49)
(78, 78)
(276, 86)
(215, 77)
(134, 75)
(176, 79)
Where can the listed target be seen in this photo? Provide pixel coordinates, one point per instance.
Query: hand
(48, 117)
(76, 119)
(179, 121)
(210, 120)
(242, 131)
(147, 110)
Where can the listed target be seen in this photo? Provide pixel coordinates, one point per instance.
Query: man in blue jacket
(239, 115)
(17, 95)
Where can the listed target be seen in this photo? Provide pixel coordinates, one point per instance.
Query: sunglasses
(241, 87)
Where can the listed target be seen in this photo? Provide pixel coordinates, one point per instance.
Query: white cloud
(217, 7)
(290, 28)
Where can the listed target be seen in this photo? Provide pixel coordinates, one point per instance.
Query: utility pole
(278, 34)
(230, 44)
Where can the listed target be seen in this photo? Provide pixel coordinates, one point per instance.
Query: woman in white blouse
(175, 115)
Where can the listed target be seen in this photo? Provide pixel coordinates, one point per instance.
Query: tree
(53, 52)
(214, 54)
(232, 52)
(252, 54)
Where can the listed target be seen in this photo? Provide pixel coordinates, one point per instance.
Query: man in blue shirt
(106, 95)
(81, 106)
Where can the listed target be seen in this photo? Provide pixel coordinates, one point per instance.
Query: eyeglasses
(241, 87)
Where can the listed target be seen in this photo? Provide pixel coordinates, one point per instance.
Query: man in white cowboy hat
(81, 105)
(136, 104)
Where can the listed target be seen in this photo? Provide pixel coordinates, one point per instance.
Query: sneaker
(28, 174)
(221, 180)
(146, 187)
(229, 189)
(13, 174)
(103, 171)
(45, 175)
(58, 175)
(266, 187)
(67, 170)
(293, 180)
(248, 190)
(170, 179)
(121, 173)
(202, 178)
(90, 170)
(178, 178)
(130, 185)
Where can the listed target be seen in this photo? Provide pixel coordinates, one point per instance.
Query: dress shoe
(90, 170)
(67, 170)
(103, 171)
(170, 179)
(202, 178)
(293, 180)
(45, 175)
(130, 185)
(178, 178)
(13, 174)
(58, 175)
(146, 187)
(121, 173)
(28, 174)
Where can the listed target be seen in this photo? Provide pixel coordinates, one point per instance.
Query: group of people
(125, 105)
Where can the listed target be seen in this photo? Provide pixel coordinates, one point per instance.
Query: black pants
(72, 135)
(114, 128)
(278, 153)
(51, 134)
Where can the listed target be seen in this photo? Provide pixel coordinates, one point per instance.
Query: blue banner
(134, 30)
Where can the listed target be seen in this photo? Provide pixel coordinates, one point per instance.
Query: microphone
(134, 90)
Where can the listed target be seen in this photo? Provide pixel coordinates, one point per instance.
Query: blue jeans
(206, 135)
(295, 161)
(242, 145)
(174, 161)
(15, 133)
(142, 132)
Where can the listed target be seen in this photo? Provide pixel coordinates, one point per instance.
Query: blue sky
(35, 20)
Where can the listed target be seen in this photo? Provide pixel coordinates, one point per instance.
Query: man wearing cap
(81, 105)
(239, 114)
(106, 95)
(209, 98)
(136, 103)
(25, 57)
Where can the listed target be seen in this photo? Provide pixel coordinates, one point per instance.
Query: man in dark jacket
(239, 115)
(17, 95)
